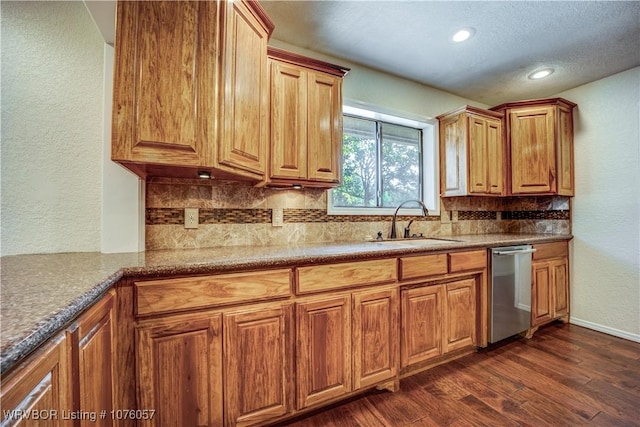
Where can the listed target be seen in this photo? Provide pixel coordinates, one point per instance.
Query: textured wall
(606, 212)
(52, 68)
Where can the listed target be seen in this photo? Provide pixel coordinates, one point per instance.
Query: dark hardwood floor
(565, 375)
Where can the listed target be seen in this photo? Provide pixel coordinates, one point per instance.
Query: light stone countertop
(41, 294)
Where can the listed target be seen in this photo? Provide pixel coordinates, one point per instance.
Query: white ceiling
(582, 40)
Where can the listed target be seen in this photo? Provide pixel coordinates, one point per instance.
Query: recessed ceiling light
(541, 74)
(463, 34)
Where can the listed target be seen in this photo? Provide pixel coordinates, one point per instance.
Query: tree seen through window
(381, 164)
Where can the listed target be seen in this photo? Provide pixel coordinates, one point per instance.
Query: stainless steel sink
(427, 241)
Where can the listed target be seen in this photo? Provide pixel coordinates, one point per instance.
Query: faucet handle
(407, 231)
(379, 236)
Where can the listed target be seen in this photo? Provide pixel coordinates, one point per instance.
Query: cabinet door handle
(552, 176)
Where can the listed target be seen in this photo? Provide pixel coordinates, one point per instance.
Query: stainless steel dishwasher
(510, 291)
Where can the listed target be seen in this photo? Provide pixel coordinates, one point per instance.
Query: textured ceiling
(582, 40)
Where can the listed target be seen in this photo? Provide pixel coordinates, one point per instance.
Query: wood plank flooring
(565, 375)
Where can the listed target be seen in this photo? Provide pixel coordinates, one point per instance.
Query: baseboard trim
(605, 329)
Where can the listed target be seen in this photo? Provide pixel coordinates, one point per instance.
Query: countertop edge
(216, 267)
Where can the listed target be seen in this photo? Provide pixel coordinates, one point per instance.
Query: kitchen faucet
(425, 212)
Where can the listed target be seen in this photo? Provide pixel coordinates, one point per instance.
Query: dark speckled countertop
(41, 294)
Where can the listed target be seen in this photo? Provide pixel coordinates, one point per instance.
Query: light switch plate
(277, 217)
(191, 217)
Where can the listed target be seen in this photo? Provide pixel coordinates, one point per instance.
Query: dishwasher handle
(516, 252)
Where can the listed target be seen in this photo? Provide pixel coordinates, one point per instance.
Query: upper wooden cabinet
(190, 88)
(306, 120)
(539, 137)
(471, 152)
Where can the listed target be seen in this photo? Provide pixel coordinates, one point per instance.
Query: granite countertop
(41, 294)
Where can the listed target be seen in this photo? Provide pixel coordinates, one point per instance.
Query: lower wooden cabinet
(323, 353)
(258, 365)
(69, 381)
(460, 321)
(437, 319)
(421, 324)
(92, 339)
(38, 394)
(375, 337)
(234, 359)
(550, 291)
(541, 311)
(550, 283)
(560, 274)
(179, 370)
(193, 368)
(346, 343)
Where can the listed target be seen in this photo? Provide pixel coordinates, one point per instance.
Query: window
(386, 159)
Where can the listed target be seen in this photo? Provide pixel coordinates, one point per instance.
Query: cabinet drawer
(550, 250)
(167, 295)
(335, 276)
(422, 266)
(472, 260)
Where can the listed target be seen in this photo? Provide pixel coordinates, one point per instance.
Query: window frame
(430, 162)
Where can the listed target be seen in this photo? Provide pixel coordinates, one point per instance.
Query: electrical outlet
(277, 217)
(191, 217)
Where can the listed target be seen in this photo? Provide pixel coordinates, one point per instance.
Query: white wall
(60, 192)
(605, 275)
(52, 62)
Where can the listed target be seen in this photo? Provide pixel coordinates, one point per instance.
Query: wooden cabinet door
(565, 176)
(471, 152)
(288, 121)
(560, 287)
(375, 337)
(324, 134)
(244, 92)
(37, 388)
(485, 156)
(421, 325)
(165, 74)
(92, 343)
(323, 357)
(460, 320)
(532, 150)
(179, 366)
(495, 156)
(453, 155)
(478, 156)
(541, 304)
(258, 365)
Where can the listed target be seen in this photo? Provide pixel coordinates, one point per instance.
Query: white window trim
(430, 184)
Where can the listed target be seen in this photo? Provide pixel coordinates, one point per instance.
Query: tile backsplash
(235, 213)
